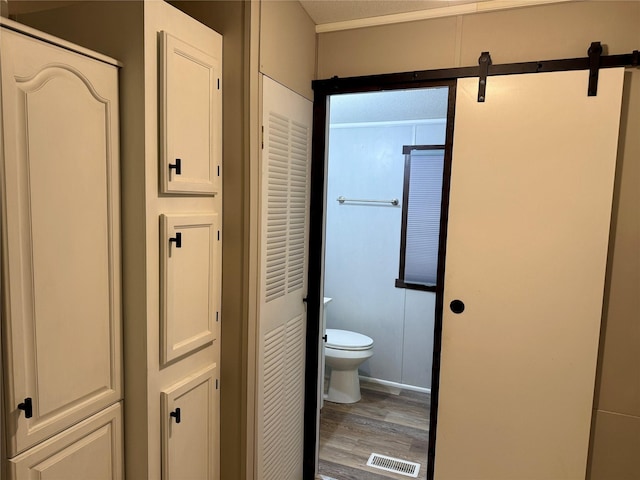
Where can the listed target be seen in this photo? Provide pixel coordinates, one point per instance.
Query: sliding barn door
(283, 270)
(531, 191)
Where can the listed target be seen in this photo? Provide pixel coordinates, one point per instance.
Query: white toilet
(344, 352)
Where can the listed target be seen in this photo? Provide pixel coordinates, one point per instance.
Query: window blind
(423, 216)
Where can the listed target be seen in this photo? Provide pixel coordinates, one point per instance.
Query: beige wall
(288, 45)
(525, 34)
(540, 33)
(616, 430)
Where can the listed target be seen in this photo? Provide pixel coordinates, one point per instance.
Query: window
(422, 198)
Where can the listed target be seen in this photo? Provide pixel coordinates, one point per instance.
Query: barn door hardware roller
(594, 52)
(484, 61)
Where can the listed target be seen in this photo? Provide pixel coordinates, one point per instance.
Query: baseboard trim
(394, 384)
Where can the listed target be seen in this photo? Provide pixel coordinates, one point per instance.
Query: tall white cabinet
(61, 302)
(171, 152)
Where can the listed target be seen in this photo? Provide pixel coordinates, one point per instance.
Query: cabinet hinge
(262, 138)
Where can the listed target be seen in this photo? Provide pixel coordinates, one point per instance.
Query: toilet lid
(346, 340)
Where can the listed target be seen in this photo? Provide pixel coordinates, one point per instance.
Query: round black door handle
(457, 306)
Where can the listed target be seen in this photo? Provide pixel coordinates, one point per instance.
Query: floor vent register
(390, 464)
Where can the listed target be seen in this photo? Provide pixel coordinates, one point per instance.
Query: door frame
(315, 288)
(394, 81)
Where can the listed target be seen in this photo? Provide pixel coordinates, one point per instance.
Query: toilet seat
(346, 340)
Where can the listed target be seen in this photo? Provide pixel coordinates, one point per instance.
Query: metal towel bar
(393, 201)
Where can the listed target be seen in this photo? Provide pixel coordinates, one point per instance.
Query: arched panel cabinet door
(60, 238)
(529, 212)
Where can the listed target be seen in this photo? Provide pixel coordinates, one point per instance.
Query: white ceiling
(334, 15)
(330, 11)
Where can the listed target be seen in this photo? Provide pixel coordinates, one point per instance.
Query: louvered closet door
(284, 231)
(529, 212)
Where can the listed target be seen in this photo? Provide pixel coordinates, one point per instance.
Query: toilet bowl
(344, 352)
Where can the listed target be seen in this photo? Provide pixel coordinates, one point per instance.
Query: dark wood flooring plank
(342, 472)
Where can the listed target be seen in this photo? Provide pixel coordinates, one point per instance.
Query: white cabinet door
(60, 236)
(530, 205)
(92, 449)
(190, 269)
(190, 433)
(191, 117)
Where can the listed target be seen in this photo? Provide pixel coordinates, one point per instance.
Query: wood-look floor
(387, 420)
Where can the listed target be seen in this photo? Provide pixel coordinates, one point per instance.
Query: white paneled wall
(363, 249)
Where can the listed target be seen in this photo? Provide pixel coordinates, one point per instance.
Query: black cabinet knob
(457, 306)
(177, 240)
(176, 414)
(176, 166)
(27, 407)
